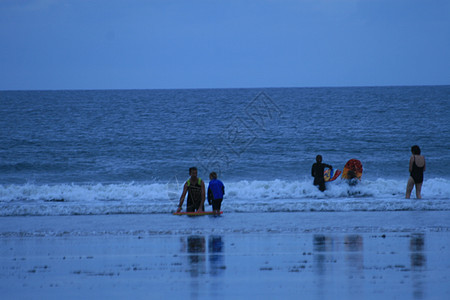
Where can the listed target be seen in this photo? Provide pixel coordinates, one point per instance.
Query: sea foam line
(437, 188)
(241, 196)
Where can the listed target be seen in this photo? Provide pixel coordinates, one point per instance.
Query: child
(216, 190)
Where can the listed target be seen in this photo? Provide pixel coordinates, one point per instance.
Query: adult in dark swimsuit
(416, 168)
(195, 189)
(317, 171)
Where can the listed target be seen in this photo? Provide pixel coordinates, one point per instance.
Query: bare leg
(409, 187)
(418, 190)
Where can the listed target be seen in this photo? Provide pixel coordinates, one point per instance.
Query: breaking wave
(241, 196)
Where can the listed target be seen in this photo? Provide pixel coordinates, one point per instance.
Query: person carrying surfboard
(317, 171)
(195, 190)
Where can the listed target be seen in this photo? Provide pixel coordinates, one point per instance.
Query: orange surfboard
(203, 213)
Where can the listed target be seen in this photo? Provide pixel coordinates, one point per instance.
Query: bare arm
(183, 195)
(411, 161)
(200, 209)
(424, 164)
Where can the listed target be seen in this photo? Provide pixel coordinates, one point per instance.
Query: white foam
(262, 196)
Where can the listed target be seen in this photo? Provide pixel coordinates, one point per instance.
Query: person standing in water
(416, 168)
(317, 171)
(216, 190)
(195, 189)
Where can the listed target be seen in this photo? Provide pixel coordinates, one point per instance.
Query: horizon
(233, 88)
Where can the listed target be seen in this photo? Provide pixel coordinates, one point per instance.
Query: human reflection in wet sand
(418, 261)
(196, 249)
(216, 257)
(195, 246)
(354, 247)
(327, 250)
(321, 245)
(355, 262)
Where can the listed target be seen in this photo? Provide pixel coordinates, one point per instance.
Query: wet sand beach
(354, 255)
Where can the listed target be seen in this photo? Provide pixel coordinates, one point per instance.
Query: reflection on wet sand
(323, 247)
(195, 246)
(322, 244)
(330, 251)
(216, 257)
(353, 242)
(418, 261)
(355, 262)
(416, 246)
(327, 252)
(354, 249)
(353, 245)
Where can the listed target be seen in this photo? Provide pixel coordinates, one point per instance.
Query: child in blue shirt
(216, 190)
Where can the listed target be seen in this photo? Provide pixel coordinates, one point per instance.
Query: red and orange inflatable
(352, 169)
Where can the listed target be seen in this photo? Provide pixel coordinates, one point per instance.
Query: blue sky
(135, 44)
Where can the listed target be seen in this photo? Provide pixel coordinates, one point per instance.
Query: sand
(342, 255)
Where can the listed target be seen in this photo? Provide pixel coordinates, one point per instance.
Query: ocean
(101, 152)
(89, 179)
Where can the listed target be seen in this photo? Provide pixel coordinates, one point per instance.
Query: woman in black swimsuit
(416, 169)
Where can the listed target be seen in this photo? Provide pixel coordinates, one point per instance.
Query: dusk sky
(133, 44)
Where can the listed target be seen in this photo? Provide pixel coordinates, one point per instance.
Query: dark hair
(415, 150)
(192, 169)
(319, 158)
(213, 175)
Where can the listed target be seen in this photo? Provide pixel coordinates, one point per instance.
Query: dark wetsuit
(194, 198)
(317, 172)
(417, 172)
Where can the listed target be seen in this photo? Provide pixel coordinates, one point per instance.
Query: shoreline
(330, 255)
(234, 222)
